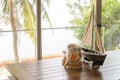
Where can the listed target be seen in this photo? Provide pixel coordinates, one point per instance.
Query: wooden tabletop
(52, 69)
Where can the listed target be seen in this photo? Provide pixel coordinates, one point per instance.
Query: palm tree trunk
(11, 13)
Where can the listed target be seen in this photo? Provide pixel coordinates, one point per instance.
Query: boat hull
(91, 55)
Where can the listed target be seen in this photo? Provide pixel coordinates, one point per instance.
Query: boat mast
(92, 44)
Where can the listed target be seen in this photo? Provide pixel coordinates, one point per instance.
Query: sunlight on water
(57, 42)
(52, 43)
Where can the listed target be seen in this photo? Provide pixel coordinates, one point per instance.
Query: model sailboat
(92, 38)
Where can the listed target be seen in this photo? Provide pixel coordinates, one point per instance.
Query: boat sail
(87, 37)
(92, 38)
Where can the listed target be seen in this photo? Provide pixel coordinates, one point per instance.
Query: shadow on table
(85, 73)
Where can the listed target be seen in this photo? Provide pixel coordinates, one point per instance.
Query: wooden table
(52, 69)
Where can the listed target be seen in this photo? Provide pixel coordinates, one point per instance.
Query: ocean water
(58, 41)
(52, 43)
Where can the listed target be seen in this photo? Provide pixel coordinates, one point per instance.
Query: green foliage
(111, 37)
(110, 12)
(110, 17)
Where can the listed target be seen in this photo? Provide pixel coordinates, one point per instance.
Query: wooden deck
(52, 69)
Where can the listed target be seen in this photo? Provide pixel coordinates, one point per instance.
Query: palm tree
(22, 8)
(14, 25)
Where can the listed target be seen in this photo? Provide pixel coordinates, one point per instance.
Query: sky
(59, 13)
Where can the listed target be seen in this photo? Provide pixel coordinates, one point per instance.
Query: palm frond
(4, 6)
(45, 15)
(28, 14)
